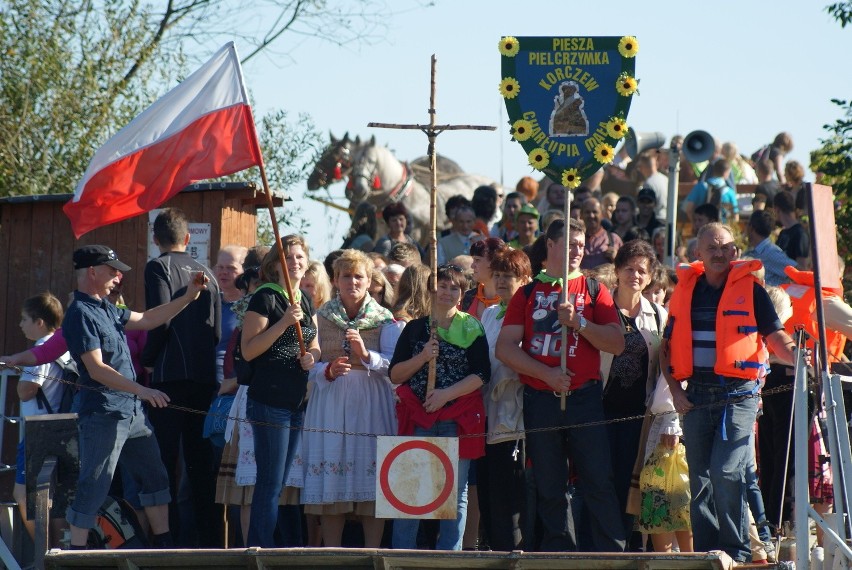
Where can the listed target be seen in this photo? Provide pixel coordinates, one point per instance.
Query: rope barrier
(519, 433)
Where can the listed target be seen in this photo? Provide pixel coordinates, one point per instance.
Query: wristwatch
(581, 324)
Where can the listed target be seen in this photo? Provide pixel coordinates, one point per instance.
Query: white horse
(379, 178)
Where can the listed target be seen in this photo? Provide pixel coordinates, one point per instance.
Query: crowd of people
(565, 381)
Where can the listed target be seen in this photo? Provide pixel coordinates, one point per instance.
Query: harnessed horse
(380, 179)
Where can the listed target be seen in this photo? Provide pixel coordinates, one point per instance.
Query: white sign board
(417, 478)
(199, 240)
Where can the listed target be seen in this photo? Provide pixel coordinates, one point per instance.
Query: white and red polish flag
(201, 129)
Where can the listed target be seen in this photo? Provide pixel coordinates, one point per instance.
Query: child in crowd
(39, 390)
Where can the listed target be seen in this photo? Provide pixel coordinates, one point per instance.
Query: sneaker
(769, 547)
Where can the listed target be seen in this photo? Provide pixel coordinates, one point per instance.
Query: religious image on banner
(567, 100)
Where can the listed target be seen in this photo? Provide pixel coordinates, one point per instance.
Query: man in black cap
(111, 422)
(646, 199)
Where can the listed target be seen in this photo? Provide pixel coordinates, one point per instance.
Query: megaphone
(698, 146)
(638, 142)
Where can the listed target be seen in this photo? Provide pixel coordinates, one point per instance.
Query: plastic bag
(664, 484)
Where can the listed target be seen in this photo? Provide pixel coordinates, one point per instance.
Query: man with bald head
(601, 245)
(720, 322)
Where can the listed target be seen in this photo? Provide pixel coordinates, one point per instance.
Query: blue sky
(743, 71)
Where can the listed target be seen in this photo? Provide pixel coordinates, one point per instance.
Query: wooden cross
(432, 130)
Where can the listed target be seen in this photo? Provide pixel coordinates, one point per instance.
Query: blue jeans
(717, 467)
(105, 441)
(589, 449)
(451, 531)
(754, 497)
(274, 448)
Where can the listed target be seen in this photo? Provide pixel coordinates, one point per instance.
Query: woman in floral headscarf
(351, 393)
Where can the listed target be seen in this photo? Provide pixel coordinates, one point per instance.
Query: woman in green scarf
(454, 407)
(350, 393)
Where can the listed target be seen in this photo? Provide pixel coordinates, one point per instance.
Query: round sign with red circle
(384, 477)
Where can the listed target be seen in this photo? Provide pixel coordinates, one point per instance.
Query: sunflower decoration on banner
(567, 99)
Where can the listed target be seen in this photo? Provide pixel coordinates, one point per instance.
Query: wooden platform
(313, 558)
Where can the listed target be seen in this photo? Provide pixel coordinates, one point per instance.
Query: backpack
(116, 526)
(244, 369)
(69, 378)
(714, 194)
(761, 154)
(467, 299)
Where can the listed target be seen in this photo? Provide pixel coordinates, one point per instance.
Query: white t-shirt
(51, 388)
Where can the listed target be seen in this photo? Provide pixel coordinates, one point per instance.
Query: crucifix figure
(432, 130)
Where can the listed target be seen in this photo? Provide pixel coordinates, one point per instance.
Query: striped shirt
(774, 261)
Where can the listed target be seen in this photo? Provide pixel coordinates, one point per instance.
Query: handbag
(217, 418)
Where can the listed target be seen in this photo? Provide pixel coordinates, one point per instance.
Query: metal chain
(519, 433)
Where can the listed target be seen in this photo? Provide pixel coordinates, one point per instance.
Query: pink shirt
(597, 249)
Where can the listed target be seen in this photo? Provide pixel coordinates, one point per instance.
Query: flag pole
(288, 286)
(281, 259)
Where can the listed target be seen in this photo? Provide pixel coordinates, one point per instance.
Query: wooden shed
(36, 244)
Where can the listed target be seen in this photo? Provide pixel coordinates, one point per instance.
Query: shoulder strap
(594, 287)
(528, 289)
(657, 318)
(42, 401)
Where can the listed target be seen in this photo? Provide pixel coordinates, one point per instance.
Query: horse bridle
(398, 193)
(342, 159)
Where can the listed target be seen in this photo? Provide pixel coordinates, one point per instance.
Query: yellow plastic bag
(664, 484)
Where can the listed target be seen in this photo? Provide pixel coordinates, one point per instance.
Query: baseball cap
(646, 194)
(93, 255)
(529, 210)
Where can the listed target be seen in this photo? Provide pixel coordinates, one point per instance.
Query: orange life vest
(740, 351)
(803, 298)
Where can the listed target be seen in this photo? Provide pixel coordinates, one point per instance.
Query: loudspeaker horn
(698, 146)
(638, 142)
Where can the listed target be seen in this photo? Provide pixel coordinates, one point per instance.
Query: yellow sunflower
(616, 128)
(509, 88)
(626, 85)
(604, 153)
(539, 158)
(521, 130)
(509, 46)
(628, 46)
(570, 178)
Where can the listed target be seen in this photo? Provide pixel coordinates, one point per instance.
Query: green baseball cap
(529, 210)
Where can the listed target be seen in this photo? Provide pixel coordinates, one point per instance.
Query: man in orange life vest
(530, 343)
(720, 315)
(774, 424)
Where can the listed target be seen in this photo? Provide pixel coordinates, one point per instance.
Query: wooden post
(432, 130)
(45, 487)
(563, 296)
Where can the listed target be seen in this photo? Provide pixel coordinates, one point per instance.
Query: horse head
(376, 174)
(335, 162)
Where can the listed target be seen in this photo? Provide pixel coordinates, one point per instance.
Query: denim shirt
(92, 324)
